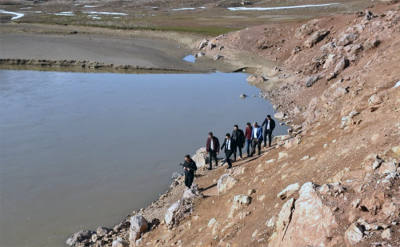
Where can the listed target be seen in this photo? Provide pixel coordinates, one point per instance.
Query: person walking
(257, 138)
(190, 167)
(269, 127)
(247, 135)
(238, 138)
(212, 148)
(229, 146)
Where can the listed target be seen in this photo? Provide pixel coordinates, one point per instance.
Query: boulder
(387, 234)
(305, 30)
(101, 231)
(178, 211)
(315, 38)
(216, 57)
(192, 192)
(200, 157)
(347, 39)
(373, 204)
(387, 167)
(289, 191)
(225, 183)
(254, 79)
(354, 234)
(203, 44)
(342, 65)
(292, 142)
(139, 224)
(374, 100)
(312, 223)
(79, 237)
(328, 48)
(176, 175)
(284, 218)
(329, 61)
(119, 243)
(279, 115)
(312, 80)
(239, 202)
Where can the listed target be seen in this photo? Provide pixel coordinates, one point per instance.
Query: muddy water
(81, 150)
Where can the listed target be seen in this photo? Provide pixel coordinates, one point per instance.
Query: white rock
(211, 222)
(225, 183)
(289, 191)
(354, 234)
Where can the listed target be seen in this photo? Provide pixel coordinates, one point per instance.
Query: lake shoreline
(74, 47)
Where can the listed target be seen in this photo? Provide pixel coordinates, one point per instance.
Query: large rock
(354, 234)
(239, 202)
(312, 223)
(225, 183)
(387, 167)
(139, 224)
(312, 80)
(305, 30)
(178, 211)
(342, 65)
(203, 44)
(119, 243)
(255, 79)
(284, 218)
(193, 192)
(347, 39)
(200, 157)
(289, 191)
(79, 237)
(279, 115)
(315, 38)
(101, 231)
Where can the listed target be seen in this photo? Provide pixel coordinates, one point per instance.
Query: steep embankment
(334, 180)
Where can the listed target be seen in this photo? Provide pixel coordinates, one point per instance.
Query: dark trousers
(254, 144)
(212, 155)
(189, 180)
(269, 134)
(228, 154)
(240, 152)
(248, 146)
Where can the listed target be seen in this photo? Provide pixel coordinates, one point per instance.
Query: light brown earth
(326, 152)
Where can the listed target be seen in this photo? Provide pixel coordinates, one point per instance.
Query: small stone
(387, 234)
(242, 96)
(211, 222)
(354, 234)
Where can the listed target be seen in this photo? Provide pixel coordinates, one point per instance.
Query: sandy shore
(149, 49)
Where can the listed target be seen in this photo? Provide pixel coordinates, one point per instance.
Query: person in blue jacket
(257, 138)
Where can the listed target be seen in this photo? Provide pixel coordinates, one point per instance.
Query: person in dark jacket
(212, 148)
(257, 138)
(190, 167)
(229, 146)
(269, 127)
(238, 138)
(247, 135)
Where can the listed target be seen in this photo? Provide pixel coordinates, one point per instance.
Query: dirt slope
(347, 115)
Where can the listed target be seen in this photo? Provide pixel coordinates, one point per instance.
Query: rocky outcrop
(315, 38)
(81, 237)
(177, 212)
(225, 183)
(138, 226)
(311, 223)
(289, 191)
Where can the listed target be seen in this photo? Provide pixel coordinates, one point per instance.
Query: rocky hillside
(332, 181)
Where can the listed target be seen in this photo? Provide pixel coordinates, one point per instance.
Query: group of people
(253, 137)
